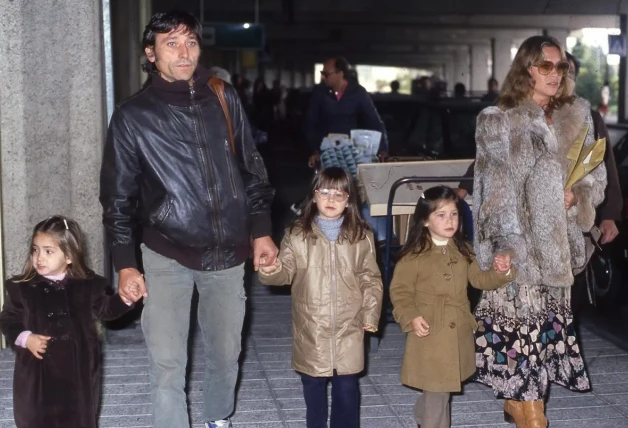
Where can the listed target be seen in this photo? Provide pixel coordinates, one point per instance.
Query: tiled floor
(270, 391)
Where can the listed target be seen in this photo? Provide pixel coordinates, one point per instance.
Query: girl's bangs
(334, 184)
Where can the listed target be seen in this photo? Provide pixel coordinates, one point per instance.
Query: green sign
(225, 35)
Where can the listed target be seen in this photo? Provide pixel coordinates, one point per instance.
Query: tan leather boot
(534, 412)
(513, 413)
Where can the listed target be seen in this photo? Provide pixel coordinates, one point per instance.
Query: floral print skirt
(525, 340)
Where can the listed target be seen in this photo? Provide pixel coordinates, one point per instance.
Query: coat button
(447, 276)
(50, 315)
(452, 325)
(46, 290)
(444, 251)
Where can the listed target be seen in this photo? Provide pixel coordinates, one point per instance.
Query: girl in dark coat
(50, 318)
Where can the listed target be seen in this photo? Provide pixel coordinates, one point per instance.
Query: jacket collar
(178, 93)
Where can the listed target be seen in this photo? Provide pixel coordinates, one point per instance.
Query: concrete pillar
(52, 120)
(479, 67)
(461, 69)
(308, 79)
(559, 34)
(500, 48)
(448, 70)
(270, 76)
(298, 79)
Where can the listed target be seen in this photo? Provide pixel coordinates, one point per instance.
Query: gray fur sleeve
(495, 205)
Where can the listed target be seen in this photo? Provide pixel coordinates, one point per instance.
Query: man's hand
(420, 326)
(609, 231)
(461, 192)
(313, 160)
(37, 344)
(131, 285)
(570, 198)
(264, 252)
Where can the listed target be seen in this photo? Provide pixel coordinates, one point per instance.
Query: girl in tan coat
(429, 295)
(329, 258)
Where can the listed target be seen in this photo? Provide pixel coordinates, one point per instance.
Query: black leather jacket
(168, 168)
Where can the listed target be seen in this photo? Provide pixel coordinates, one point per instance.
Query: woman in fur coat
(526, 338)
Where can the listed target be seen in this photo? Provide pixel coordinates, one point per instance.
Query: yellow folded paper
(584, 159)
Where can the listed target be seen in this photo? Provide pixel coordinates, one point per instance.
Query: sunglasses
(328, 73)
(546, 67)
(337, 195)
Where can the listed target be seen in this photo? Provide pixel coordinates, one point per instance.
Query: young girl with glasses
(328, 255)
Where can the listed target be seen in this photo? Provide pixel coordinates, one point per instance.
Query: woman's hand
(570, 198)
(420, 326)
(502, 263)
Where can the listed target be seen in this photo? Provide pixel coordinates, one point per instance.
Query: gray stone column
(479, 67)
(462, 69)
(559, 34)
(501, 58)
(52, 120)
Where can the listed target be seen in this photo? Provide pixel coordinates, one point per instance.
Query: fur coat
(518, 201)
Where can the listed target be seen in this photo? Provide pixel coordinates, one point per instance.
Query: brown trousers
(432, 410)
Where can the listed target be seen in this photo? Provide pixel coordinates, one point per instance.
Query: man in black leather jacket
(172, 174)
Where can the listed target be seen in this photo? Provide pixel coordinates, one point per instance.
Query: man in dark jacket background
(195, 188)
(338, 105)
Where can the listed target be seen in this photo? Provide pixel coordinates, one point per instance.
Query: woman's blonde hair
(519, 84)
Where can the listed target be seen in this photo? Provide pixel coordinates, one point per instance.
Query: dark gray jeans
(166, 325)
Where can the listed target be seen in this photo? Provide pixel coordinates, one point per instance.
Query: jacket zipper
(230, 168)
(333, 303)
(209, 173)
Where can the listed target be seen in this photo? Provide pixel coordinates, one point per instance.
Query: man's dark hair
(341, 64)
(576, 63)
(394, 85)
(164, 23)
(492, 80)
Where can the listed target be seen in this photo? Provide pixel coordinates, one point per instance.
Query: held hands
(270, 269)
(131, 285)
(264, 252)
(570, 198)
(420, 326)
(502, 263)
(37, 344)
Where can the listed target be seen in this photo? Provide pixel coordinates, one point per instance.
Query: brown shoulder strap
(218, 86)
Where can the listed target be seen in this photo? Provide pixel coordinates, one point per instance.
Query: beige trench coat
(336, 289)
(433, 285)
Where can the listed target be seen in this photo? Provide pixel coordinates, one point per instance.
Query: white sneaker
(223, 423)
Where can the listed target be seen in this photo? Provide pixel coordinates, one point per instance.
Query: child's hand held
(420, 326)
(37, 344)
(502, 263)
(272, 268)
